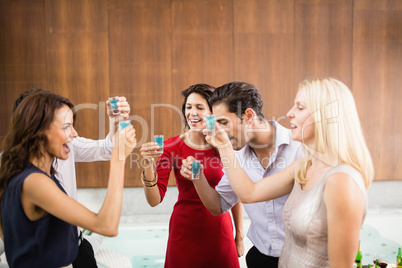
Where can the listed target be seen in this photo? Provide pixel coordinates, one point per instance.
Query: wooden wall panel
(22, 54)
(264, 52)
(202, 46)
(151, 50)
(323, 39)
(140, 68)
(377, 81)
(78, 68)
(139, 4)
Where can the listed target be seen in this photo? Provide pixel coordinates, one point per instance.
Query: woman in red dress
(197, 239)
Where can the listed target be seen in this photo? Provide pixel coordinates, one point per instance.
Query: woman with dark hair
(196, 238)
(38, 218)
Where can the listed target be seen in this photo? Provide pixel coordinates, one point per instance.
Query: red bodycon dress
(197, 239)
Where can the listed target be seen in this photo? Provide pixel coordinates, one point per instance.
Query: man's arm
(208, 195)
(237, 213)
(217, 202)
(82, 150)
(246, 190)
(87, 150)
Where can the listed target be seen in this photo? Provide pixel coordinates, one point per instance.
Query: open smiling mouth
(195, 121)
(66, 148)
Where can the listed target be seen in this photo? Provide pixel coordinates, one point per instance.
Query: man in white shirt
(81, 150)
(85, 150)
(265, 148)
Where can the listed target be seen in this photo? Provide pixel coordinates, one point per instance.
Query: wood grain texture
(323, 39)
(202, 47)
(140, 69)
(78, 68)
(151, 50)
(22, 54)
(264, 52)
(377, 81)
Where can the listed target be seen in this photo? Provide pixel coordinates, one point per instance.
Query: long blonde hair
(337, 130)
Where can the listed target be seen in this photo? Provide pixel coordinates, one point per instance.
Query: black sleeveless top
(47, 242)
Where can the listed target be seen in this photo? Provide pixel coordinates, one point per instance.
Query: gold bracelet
(146, 182)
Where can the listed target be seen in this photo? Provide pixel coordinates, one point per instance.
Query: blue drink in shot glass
(159, 140)
(123, 124)
(196, 170)
(113, 105)
(211, 122)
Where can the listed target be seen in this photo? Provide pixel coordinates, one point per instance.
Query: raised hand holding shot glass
(195, 166)
(113, 105)
(159, 140)
(192, 169)
(210, 122)
(123, 124)
(217, 138)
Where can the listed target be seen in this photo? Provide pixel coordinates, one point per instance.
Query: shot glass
(123, 124)
(113, 105)
(159, 140)
(211, 122)
(196, 170)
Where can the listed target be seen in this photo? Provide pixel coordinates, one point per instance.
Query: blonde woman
(327, 185)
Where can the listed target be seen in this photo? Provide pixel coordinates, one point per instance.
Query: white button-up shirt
(81, 150)
(266, 232)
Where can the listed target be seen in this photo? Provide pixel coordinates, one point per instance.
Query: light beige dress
(305, 218)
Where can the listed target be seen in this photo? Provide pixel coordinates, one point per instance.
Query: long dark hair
(203, 89)
(26, 138)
